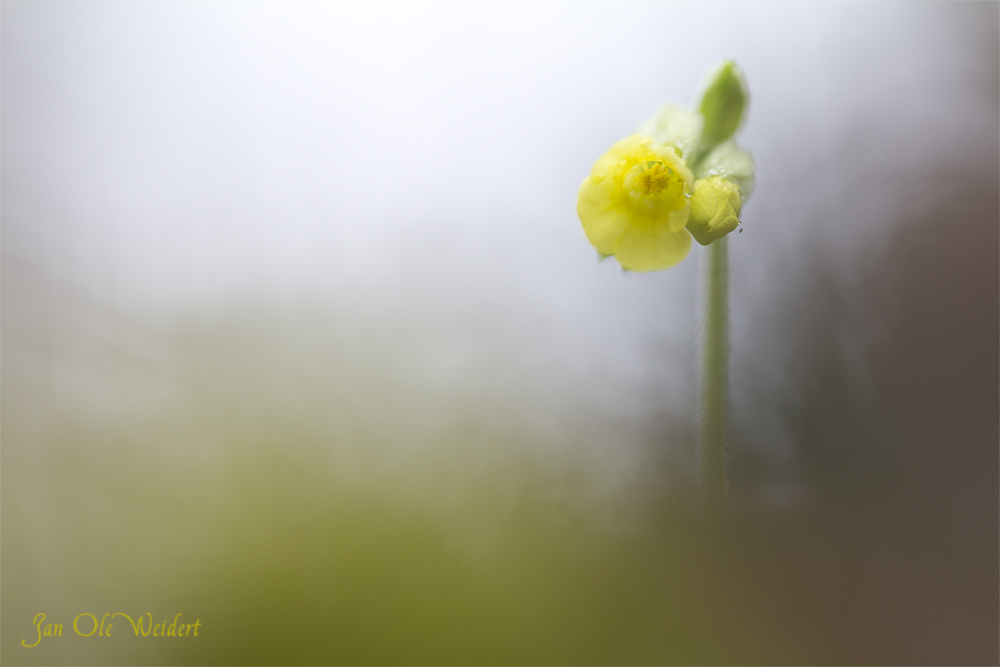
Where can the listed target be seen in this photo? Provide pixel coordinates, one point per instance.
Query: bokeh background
(301, 337)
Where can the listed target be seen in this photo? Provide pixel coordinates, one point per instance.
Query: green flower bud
(674, 126)
(715, 209)
(722, 104)
(731, 163)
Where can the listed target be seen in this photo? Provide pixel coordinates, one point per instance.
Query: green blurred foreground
(286, 563)
(301, 509)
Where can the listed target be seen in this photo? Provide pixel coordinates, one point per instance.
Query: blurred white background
(418, 164)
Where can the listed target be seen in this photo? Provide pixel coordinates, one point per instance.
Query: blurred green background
(301, 338)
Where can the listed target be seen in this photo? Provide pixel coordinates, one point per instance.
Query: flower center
(654, 185)
(649, 177)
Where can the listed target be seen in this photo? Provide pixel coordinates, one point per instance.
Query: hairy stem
(715, 379)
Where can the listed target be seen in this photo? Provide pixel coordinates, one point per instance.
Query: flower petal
(678, 219)
(600, 211)
(643, 248)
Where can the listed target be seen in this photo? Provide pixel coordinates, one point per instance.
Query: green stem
(715, 380)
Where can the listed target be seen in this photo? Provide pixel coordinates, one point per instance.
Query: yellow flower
(635, 204)
(642, 193)
(715, 209)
